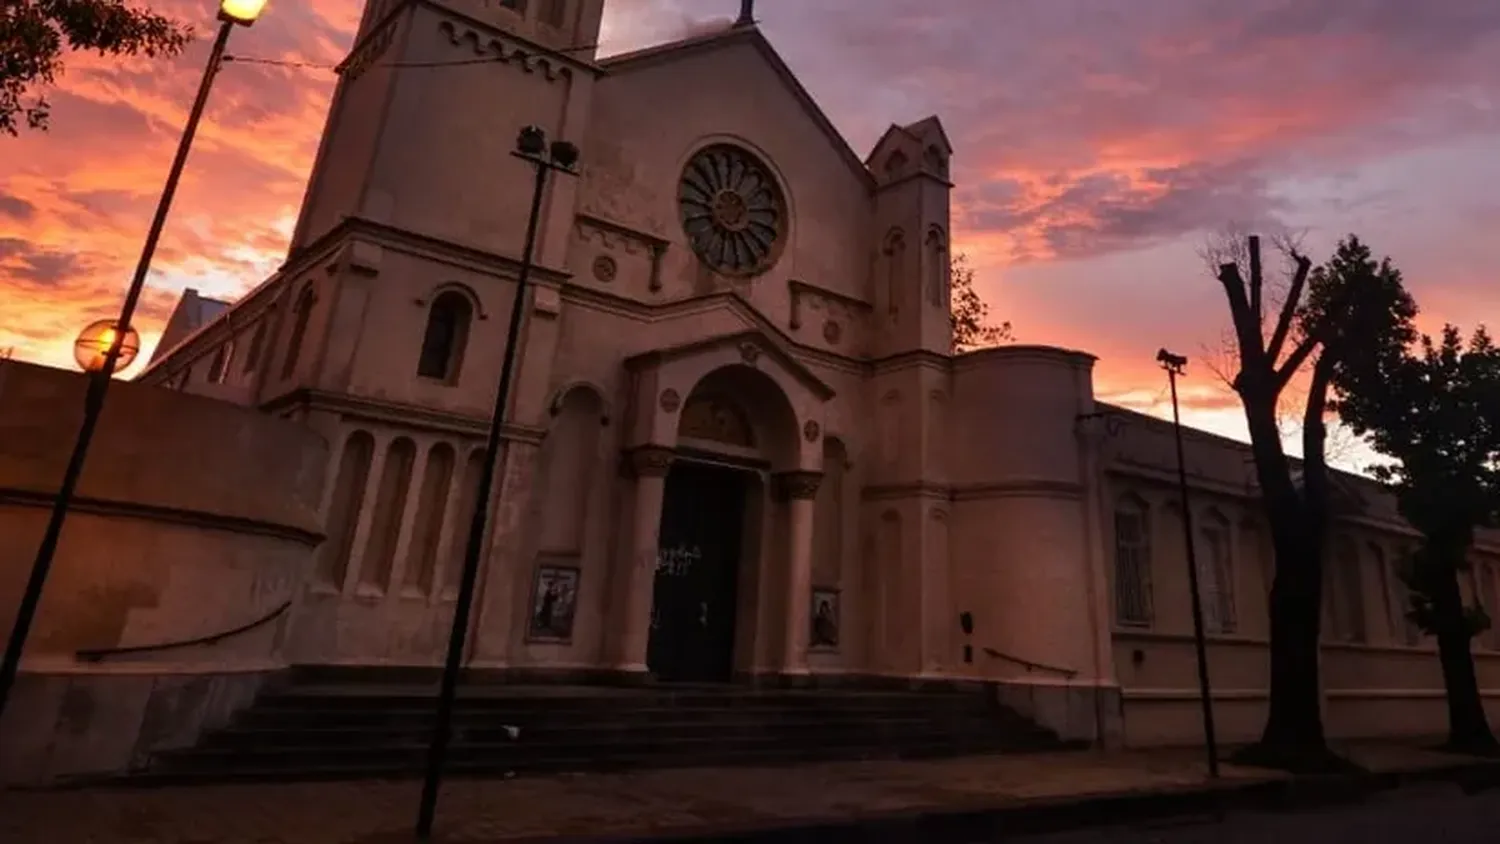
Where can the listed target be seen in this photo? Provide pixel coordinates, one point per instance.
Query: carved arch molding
(716, 418)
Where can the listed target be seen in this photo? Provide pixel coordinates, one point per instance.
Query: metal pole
(1174, 366)
(437, 753)
(99, 384)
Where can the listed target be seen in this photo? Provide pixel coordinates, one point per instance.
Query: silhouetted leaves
(972, 328)
(35, 33)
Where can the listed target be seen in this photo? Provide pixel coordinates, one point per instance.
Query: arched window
(1132, 562)
(895, 252)
(830, 516)
(218, 372)
(422, 555)
(1489, 576)
(345, 506)
(463, 522)
(390, 511)
(570, 457)
(257, 340)
(1216, 574)
(1398, 594)
(447, 334)
(937, 268)
(1344, 594)
(300, 317)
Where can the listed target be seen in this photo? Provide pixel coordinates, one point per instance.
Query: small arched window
(447, 334)
(300, 317)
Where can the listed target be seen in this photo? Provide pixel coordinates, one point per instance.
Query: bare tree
(1293, 737)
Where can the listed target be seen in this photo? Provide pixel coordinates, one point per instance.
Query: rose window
(732, 211)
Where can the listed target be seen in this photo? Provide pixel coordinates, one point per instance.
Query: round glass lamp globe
(92, 346)
(243, 12)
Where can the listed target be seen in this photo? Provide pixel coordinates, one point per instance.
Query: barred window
(1398, 597)
(1132, 562)
(1344, 594)
(1216, 575)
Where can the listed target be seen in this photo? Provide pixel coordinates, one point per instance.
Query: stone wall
(1380, 677)
(193, 517)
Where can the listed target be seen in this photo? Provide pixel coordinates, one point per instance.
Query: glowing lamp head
(91, 349)
(242, 12)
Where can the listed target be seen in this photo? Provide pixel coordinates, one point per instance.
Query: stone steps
(379, 725)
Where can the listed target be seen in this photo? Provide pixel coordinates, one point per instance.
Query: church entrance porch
(724, 454)
(694, 597)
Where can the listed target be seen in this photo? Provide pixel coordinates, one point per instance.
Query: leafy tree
(1350, 308)
(972, 328)
(1435, 412)
(34, 34)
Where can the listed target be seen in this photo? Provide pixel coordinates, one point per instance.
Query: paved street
(693, 802)
(1427, 814)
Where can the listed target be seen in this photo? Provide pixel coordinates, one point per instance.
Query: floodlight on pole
(1176, 365)
(560, 157)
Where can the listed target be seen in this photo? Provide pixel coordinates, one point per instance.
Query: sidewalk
(911, 801)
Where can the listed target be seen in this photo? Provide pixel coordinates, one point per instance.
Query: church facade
(739, 446)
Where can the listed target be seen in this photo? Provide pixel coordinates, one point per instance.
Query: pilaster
(799, 491)
(647, 466)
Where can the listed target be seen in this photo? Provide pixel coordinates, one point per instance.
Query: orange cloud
(1095, 145)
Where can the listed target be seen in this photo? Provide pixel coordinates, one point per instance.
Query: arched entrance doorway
(730, 432)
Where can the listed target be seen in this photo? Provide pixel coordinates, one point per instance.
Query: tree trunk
(1293, 736)
(1294, 722)
(1468, 728)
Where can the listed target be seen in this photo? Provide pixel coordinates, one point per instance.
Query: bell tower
(910, 165)
(426, 111)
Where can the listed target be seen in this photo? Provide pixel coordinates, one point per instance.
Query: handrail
(97, 654)
(1068, 673)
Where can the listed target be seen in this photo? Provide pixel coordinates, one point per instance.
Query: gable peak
(916, 148)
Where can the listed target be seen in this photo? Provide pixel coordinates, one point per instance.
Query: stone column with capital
(799, 490)
(648, 465)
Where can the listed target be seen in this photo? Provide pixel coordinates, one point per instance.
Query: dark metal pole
(1174, 366)
(99, 384)
(437, 753)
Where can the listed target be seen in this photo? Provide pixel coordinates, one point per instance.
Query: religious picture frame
(554, 603)
(823, 620)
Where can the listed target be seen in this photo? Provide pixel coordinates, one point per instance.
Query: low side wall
(1369, 691)
(193, 517)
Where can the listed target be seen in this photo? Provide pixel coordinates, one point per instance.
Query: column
(648, 465)
(799, 490)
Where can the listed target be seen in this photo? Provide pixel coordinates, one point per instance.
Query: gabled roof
(913, 132)
(759, 340)
(191, 313)
(697, 45)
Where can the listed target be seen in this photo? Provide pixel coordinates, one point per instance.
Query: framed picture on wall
(824, 634)
(554, 602)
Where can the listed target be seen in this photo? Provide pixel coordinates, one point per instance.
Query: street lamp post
(560, 156)
(1175, 365)
(118, 336)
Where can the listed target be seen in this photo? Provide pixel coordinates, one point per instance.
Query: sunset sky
(1098, 144)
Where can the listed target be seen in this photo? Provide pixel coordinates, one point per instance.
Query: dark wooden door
(697, 570)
